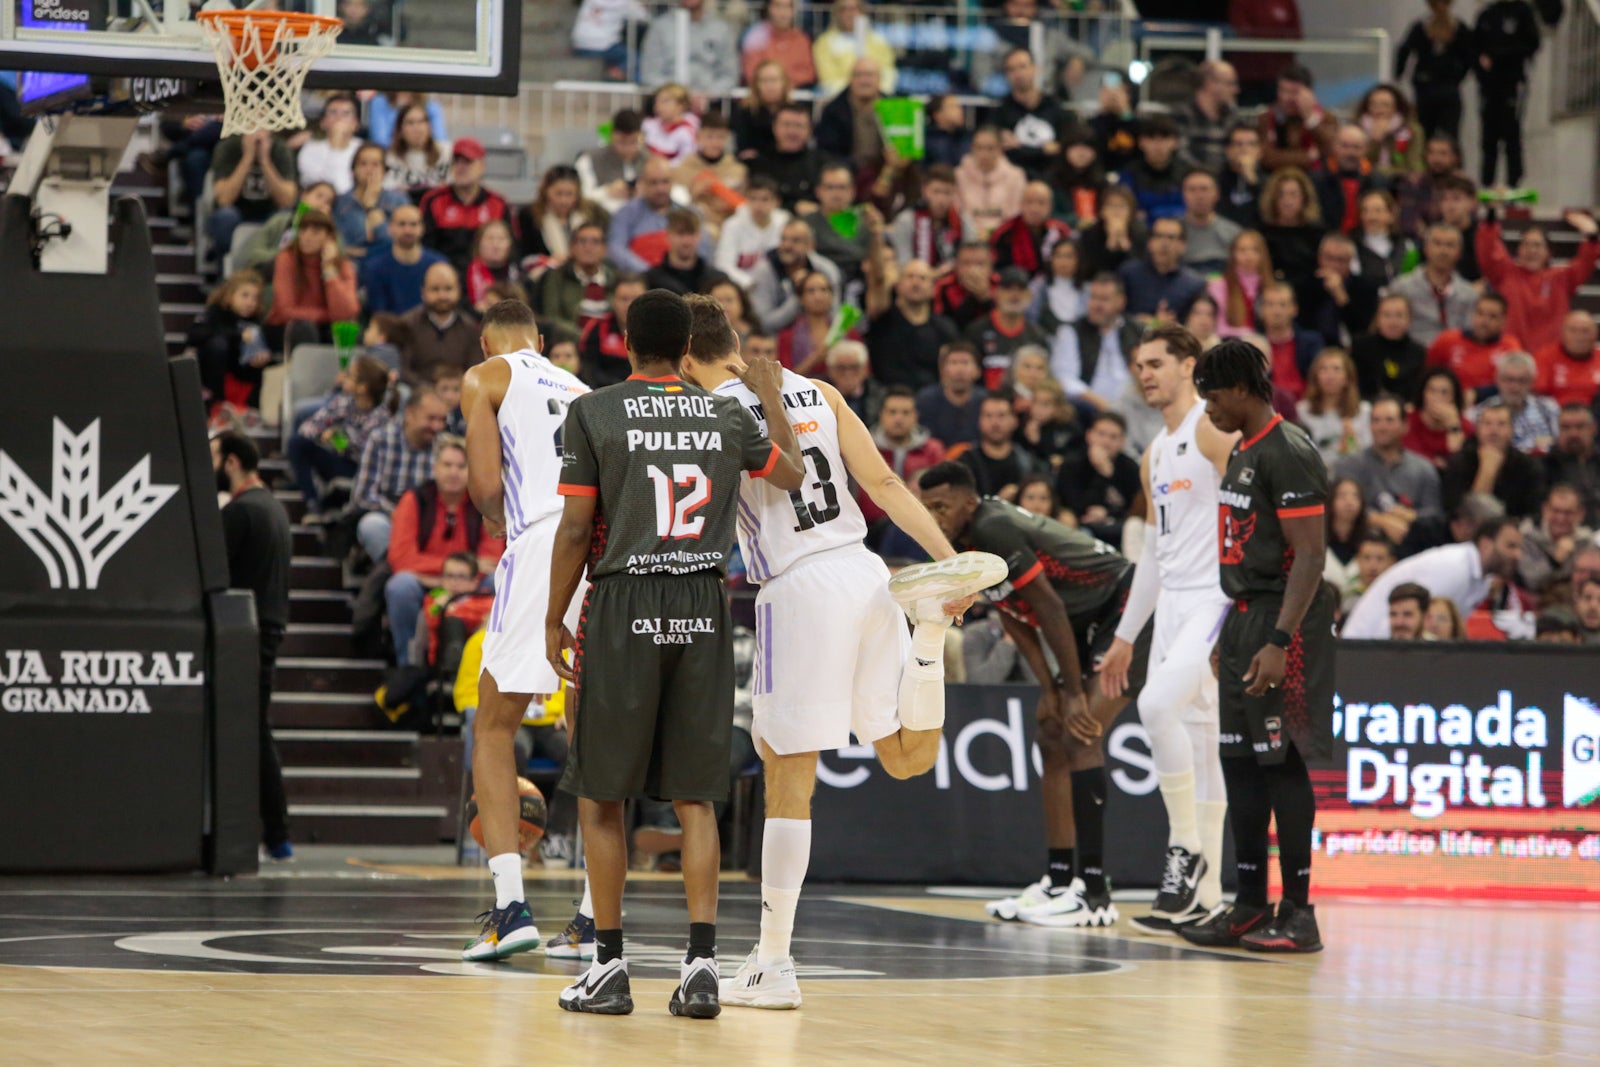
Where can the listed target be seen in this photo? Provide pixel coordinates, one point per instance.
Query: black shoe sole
(617, 1005)
(698, 1006)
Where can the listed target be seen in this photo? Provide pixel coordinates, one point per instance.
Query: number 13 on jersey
(673, 513)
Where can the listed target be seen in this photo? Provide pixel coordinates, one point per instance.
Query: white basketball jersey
(777, 528)
(530, 418)
(1183, 485)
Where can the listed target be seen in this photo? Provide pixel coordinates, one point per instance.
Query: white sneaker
(601, 990)
(696, 995)
(921, 589)
(1010, 908)
(758, 985)
(1072, 907)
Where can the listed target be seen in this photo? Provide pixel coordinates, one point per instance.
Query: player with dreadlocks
(1275, 655)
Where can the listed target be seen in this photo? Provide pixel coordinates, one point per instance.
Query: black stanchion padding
(235, 817)
(111, 542)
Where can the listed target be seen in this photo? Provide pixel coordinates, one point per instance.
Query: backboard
(446, 46)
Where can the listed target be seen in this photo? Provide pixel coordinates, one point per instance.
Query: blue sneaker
(281, 851)
(506, 931)
(576, 942)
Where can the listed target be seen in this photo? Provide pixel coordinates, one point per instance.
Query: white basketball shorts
(1188, 622)
(513, 640)
(830, 647)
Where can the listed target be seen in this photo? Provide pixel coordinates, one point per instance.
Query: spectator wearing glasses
(1534, 418)
(579, 290)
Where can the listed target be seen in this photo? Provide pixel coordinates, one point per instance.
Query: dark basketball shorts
(1300, 709)
(654, 661)
(1094, 640)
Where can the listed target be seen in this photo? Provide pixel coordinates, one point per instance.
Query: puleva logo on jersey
(74, 529)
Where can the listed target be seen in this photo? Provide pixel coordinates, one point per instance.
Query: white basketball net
(264, 61)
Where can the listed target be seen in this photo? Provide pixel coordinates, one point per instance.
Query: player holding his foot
(1275, 657)
(1177, 578)
(515, 403)
(832, 653)
(1064, 590)
(651, 470)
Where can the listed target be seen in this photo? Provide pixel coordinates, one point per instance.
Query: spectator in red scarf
(1027, 240)
(931, 230)
(602, 354)
(966, 293)
(494, 262)
(1538, 296)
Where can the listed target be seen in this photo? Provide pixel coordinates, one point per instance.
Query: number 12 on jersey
(673, 512)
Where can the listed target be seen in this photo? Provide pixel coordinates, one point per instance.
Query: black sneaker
(1161, 924)
(601, 990)
(696, 995)
(1180, 881)
(1294, 930)
(1227, 924)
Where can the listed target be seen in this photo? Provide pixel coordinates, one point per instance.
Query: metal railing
(1344, 66)
(1576, 63)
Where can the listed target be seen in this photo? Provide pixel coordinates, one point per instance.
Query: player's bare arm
(482, 391)
(764, 377)
(567, 559)
(1118, 659)
(1216, 445)
(1026, 638)
(1307, 536)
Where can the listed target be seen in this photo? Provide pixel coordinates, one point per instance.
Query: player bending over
(832, 653)
(1275, 657)
(1177, 578)
(1064, 590)
(515, 403)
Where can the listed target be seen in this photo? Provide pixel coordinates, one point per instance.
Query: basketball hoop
(264, 57)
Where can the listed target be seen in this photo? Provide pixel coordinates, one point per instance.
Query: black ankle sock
(1295, 805)
(1088, 817)
(607, 945)
(702, 941)
(1059, 868)
(1249, 813)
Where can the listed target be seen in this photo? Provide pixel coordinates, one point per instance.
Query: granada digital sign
(1462, 770)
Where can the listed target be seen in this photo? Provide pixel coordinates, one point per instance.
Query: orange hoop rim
(296, 23)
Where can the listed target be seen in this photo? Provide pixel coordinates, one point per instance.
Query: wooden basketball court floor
(355, 962)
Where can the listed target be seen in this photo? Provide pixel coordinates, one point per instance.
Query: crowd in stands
(980, 303)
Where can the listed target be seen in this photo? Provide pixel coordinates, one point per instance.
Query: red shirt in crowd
(1286, 368)
(1473, 361)
(1567, 380)
(449, 536)
(1536, 300)
(1432, 445)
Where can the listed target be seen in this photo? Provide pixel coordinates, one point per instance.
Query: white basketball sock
(1177, 792)
(785, 855)
(927, 642)
(586, 905)
(1213, 817)
(507, 871)
(921, 700)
